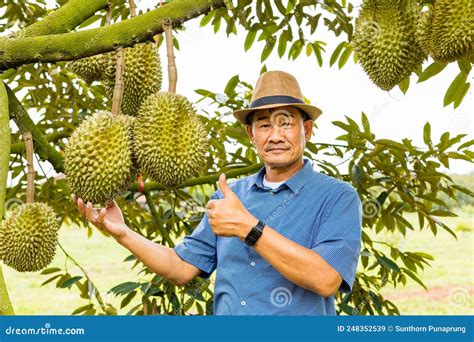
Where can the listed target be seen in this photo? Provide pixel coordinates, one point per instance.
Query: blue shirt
(314, 210)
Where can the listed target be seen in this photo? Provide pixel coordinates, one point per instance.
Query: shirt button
(243, 302)
(252, 264)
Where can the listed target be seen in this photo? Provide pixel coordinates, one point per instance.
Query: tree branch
(75, 45)
(19, 147)
(212, 178)
(24, 123)
(64, 19)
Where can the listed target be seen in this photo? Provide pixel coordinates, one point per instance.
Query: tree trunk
(5, 141)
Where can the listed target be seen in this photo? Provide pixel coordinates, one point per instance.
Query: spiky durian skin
(98, 161)
(452, 31)
(90, 68)
(142, 76)
(384, 41)
(423, 30)
(28, 238)
(170, 141)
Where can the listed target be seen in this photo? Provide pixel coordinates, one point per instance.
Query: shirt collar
(295, 183)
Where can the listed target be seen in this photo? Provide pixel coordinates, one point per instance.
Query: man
(283, 240)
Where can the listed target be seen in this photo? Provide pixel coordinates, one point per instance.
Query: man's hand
(109, 219)
(228, 216)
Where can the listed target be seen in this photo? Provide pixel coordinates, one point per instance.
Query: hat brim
(312, 111)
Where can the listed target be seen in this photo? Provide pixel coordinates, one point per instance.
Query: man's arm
(160, 259)
(297, 263)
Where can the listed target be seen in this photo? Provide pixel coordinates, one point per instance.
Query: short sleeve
(338, 238)
(199, 248)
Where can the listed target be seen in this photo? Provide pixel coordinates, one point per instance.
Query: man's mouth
(277, 149)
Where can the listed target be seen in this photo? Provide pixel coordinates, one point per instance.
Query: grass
(450, 280)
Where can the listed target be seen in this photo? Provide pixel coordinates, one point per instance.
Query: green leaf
(427, 134)
(50, 270)
(124, 288)
(231, 84)
(432, 70)
(403, 85)
(207, 18)
(458, 85)
(249, 39)
(82, 309)
(336, 53)
(345, 56)
(70, 282)
(282, 43)
(388, 263)
(267, 50)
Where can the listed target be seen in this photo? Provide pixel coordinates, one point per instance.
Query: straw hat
(277, 89)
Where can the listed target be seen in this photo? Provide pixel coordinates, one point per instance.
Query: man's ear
(248, 129)
(308, 129)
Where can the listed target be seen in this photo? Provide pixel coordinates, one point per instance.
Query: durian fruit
(142, 76)
(423, 31)
(98, 160)
(28, 238)
(169, 139)
(452, 31)
(384, 40)
(90, 68)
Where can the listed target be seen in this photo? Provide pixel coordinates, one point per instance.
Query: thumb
(224, 187)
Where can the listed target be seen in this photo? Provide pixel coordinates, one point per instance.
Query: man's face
(279, 135)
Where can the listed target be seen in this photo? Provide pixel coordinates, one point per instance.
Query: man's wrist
(247, 227)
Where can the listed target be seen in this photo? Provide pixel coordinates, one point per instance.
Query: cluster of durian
(157, 133)
(446, 30)
(384, 40)
(393, 37)
(142, 74)
(29, 237)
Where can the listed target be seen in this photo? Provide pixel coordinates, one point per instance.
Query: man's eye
(265, 126)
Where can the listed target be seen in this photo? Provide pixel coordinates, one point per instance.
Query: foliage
(392, 178)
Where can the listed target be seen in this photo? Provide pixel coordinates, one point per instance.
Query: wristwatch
(254, 233)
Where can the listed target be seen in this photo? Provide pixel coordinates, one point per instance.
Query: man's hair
(304, 115)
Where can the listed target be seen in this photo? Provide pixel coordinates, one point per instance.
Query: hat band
(274, 99)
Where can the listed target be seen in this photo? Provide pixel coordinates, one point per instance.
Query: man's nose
(276, 134)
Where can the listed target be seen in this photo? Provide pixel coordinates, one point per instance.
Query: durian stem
(172, 70)
(118, 88)
(108, 17)
(97, 293)
(24, 123)
(156, 217)
(5, 134)
(30, 176)
(64, 47)
(132, 8)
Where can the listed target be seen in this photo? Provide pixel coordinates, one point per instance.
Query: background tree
(45, 98)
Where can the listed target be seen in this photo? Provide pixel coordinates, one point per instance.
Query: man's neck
(279, 174)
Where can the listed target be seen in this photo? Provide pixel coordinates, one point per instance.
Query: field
(450, 280)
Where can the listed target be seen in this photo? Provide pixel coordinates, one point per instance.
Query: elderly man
(283, 240)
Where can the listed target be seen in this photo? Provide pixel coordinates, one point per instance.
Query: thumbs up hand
(228, 216)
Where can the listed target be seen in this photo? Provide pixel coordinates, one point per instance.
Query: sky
(208, 60)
